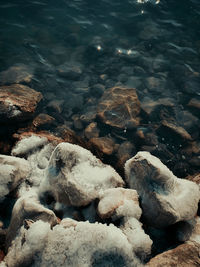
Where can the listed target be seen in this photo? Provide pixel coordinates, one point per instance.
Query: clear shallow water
(153, 46)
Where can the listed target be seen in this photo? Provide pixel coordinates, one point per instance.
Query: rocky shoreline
(101, 190)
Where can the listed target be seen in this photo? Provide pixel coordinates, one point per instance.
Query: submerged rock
(105, 145)
(18, 73)
(73, 244)
(13, 171)
(165, 199)
(18, 102)
(75, 176)
(119, 107)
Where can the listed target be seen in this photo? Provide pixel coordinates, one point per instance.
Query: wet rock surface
(17, 102)
(119, 107)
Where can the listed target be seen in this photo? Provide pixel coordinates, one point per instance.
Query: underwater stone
(119, 107)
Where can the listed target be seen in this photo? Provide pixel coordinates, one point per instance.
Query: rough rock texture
(139, 240)
(185, 255)
(165, 199)
(16, 74)
(75, 176)
(119, 107)
(71, 244)
(119, 202)
(28, 207)
(37, 149)
(13, 171)
(17, 102)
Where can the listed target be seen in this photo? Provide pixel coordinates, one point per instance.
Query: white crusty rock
(37, 151)
(71, 244)
(120, 203)
(13, 171)
(165, 199)
(28, 207)
(140, 241)
(116, 203)
(75, 176)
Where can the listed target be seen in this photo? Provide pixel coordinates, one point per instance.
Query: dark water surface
(153, 46)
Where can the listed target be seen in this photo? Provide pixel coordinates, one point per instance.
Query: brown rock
(16, 74)
(92, 131)
(17, 102)
(43, 120)
(105, 144)
(194, 103)
(185, 255)
(119, 107)
(170, 128)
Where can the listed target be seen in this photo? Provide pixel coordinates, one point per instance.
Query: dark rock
(17, 102)
(92, 130)
(43, 120)
(72, 70)
(170, 130)
(119, 107)
(19, 73)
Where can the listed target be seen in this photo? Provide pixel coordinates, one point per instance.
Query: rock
(28, 207)
(194, 103)
(120, 203)
(18, 73)
(43, 120)
(165, 199)
(170, 130)
(92, 130)
(17, 102)
(70, 70)
(75, 176)
(104, 144)
(119, 107)
(55, 106)
(139, 240)
(71, 244)
(97, 89)
(184, 255)
(116, 203)
(13, 171)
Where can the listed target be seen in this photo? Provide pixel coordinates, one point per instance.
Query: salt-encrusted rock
(75, 176)
(18, 102)
(119, 107)
(13, 171)
(71, 244)
(140, 241)
(37, 149)
(18, 73)
(165, 199)
(120, 203)
(27, 145)
(185, 255)
(116, 203)
(28, 207)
